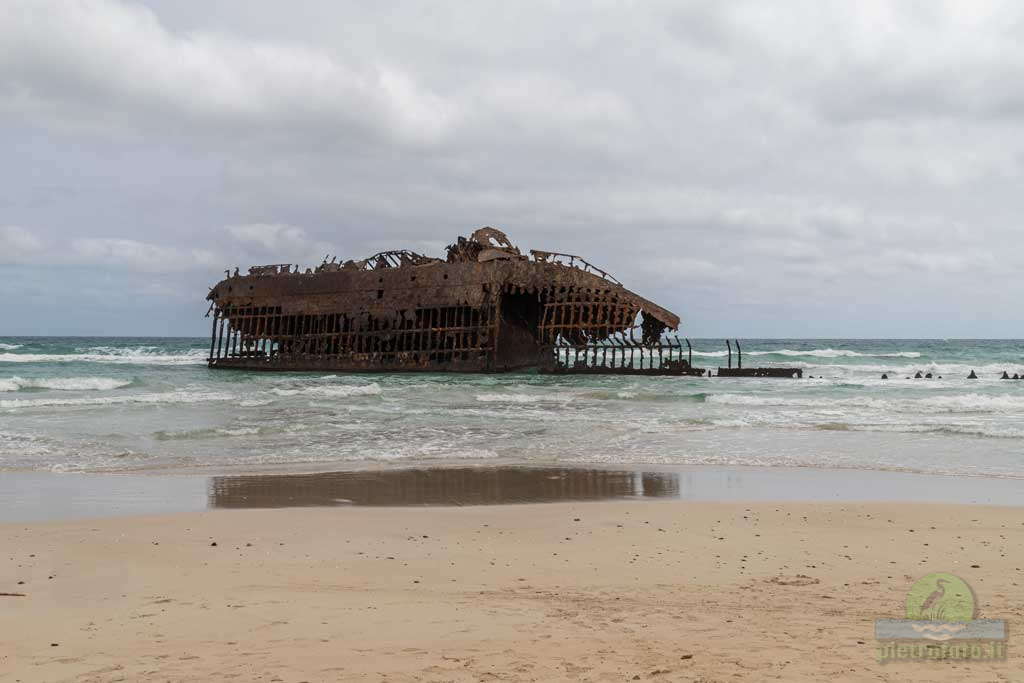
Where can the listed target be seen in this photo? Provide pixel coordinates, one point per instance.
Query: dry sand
(614, 591)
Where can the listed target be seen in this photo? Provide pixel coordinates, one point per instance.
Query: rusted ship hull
(484, 309)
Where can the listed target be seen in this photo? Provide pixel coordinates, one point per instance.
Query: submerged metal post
(689, 352)
(729, 346)
(739, 355)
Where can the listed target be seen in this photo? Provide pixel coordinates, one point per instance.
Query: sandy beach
(599, 591)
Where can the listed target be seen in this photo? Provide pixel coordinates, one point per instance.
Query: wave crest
(833, 353)
(167, 397)
(962, 403)
(64, 383)
(339, 391)
(136, 356)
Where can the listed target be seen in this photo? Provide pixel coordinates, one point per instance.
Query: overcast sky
(789, 169)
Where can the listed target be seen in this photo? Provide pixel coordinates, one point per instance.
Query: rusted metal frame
(325, 335)
(261, 340)
(331, 335)
(631, 342)
(350, 333)
(255, 329)
(314, 347)
(449, 334)
(446, 340)
(271, 325)
(213, 335)
(239, 321)
(495, 324)
(457, 316)
(274, 330)
(248, 332)
(314, 335)
(436, 337)
(304, 323)
(319, 325)
(261, 331)
(234, 337)
(398, 335)
(220, 335)
(452, 326)
(245, 331)
(466, 332)
(546, 311)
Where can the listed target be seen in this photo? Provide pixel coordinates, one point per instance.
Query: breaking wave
(522, 398)
(814, 353)
(964, 403)
(210, 433)
(168, 397)
(64, 384)
(137, 356)
(833, 353)
(9, 347)
(332, 391)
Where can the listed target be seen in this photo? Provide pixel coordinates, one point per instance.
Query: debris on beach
(797, 580)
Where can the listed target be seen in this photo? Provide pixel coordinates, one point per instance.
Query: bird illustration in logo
(941, 597)
(940, 590)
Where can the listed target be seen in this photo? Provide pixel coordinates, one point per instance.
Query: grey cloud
(121, 56)
(741, 162)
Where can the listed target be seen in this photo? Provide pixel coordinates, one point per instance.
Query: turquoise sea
(151, 405)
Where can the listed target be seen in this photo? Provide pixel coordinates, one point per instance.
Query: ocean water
(152, 405)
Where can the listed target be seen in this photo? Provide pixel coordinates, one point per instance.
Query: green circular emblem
(941, 597)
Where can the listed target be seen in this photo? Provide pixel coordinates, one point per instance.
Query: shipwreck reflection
(438, 486)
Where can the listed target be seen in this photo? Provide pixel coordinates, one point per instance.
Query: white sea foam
(239, 431)
(962, 403)
(332, 391)
(813, 353)
(9, 347)
(167, 397)
(63, 383)
(141, 356)
(832, 353)
(522, 398)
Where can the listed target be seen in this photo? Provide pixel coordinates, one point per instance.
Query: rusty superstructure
(486, 307)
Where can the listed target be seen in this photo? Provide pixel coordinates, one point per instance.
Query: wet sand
(41, 496)
(603, 591)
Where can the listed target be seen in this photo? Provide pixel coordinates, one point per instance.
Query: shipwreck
(485, 307)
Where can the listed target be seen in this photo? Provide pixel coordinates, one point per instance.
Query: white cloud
(18, 245)
(116, 55)
(271, 236)
(134, 255)
(257, 243)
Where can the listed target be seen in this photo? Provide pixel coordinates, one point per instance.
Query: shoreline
(656, 589)
(43, 496)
